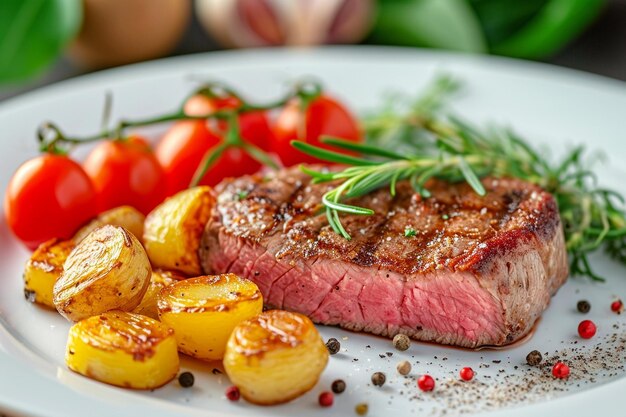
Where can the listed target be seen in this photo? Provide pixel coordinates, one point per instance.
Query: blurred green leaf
(33, 33)
(449, 24)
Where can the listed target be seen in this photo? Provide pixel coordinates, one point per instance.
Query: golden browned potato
(44, 268)
(126, 216)
(158, 281)
(275, 357)
(108, 270)
(203, 311)
(123, 349)
(173, 230)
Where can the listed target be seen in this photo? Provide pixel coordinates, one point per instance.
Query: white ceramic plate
(549, 105)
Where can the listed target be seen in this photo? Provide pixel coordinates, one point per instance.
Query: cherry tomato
(126, 172)
(323, 116)
(180, 152)
(49, 196)
(183, 147)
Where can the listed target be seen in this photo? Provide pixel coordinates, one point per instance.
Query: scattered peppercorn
(361, 409)
(186, 379)
(232, 393)
(467, 374)
(404, 367)
(30, 296)
(587, 329)
(326, 399)
(534, 358)
(338, 386)
(378, 379)
(401, 342)
(583, 306)
(426, 383)
(617, 306)
(333, 345)
(560, 370)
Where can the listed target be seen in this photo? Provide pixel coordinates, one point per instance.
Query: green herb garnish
(428, 143)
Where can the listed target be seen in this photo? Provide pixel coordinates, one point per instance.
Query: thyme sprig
(428, 143)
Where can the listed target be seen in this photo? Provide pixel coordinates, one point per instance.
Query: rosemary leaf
(329, 156)
(358, 147)
(317, 175)
(471, 178)
(345, 207)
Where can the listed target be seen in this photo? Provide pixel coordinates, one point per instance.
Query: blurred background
(43, 41)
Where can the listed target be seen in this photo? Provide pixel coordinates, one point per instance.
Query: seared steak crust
(478, 270)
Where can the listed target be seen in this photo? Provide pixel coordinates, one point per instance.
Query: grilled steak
(478, 270)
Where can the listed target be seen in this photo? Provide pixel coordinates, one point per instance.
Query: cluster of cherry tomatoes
(52, 195)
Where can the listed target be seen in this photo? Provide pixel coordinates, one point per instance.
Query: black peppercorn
(30, 296)
(338, 386)
(333, 345)
(583, 306)
(378, 379)
(186, 379)
(534, 358)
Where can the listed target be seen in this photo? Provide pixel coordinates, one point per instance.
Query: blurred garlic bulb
(242, 23)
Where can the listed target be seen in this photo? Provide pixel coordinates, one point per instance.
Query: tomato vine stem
(53, 140)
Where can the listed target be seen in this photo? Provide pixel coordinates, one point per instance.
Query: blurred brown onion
(242, 23)
(116, 32)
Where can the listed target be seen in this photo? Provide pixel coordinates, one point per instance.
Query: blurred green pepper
(558, 22)
(447, 24)
(500, 19)
(519, 28)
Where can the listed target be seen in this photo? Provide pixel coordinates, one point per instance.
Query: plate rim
(295, 51)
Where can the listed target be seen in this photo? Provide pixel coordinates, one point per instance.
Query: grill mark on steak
(479, 271)
(365, 255)
(288, 210)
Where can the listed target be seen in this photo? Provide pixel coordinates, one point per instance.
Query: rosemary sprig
(428, 144)
(367, 175)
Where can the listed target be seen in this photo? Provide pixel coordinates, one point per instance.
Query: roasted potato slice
(123, 349)
(203, 311)
(275, 357)
(158, 281)
(173, 230)
(108, 270)
(44, 268)
(128, 217)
